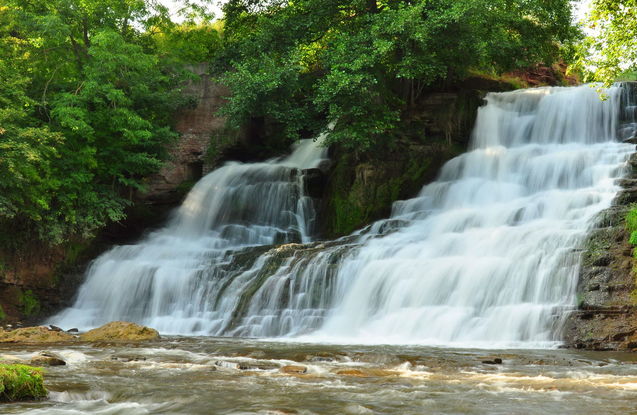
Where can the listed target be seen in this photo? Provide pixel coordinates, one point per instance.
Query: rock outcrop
(606, 316)
(362, 185)
(120, 331)
(39, 334)
(196, 126)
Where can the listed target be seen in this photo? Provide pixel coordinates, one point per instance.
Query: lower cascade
(487, 255)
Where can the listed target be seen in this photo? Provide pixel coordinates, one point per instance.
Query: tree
(611, 49)
(85, 112)
(362, 63)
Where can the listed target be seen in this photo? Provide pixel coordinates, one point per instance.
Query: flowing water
(485, 256)
(208, 376)
(168, 279)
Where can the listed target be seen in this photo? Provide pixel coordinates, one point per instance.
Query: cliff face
(362, 185)
(606, 316)
(196, 126)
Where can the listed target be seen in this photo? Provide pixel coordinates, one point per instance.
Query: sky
(174, 6)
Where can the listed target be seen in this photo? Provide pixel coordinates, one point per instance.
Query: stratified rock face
(38, 334)
(606, 318)
(120, 331)
(195, 126)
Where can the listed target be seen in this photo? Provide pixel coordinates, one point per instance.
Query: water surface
(203, 375)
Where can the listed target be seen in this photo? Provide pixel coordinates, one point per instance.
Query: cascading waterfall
(484, 256)
(487, 257)
(167, 279)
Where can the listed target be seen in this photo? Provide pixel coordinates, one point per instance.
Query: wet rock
(47, 359)
(630, 140)
(313, 182)
(365, 373)
(39, 334)
(232, 365)
(321, 359)
(496, 361)
(294, 369)
(73, 330)
(120, 331)
(126, 359)
(54, 328)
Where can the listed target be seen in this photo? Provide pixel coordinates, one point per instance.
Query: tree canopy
(86, 106)
(611, 47)
(360, 63)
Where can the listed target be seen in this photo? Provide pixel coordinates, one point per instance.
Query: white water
(165, 280)
(488, 256)
(485, 256)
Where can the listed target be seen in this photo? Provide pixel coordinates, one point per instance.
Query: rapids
(485, 256)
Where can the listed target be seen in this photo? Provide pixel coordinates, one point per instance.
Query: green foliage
(21, 382)
(188, 43)
(3, 315)
(29, 303)
(611, 49)
(631, 224)
(87, 93)
(363, 64)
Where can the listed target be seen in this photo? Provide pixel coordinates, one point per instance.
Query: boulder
(47, 359)
(120, 331)
(39, 334)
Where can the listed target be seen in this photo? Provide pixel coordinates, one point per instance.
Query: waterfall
(165, 280)
(485, 256)
(488, 255)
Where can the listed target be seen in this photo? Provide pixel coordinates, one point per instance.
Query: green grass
(21, 382)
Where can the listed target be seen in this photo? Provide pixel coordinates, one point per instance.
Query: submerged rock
(120, 331)
(39, 334)
(294, 369)
(366, 373)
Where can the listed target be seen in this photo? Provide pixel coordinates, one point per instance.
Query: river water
(203, 375)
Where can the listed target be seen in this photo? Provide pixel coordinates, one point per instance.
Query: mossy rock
(120, 331)
(39, 334)
(21, 382)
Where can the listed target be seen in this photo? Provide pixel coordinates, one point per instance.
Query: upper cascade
(485, 256)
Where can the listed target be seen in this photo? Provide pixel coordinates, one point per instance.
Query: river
(205, 375)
